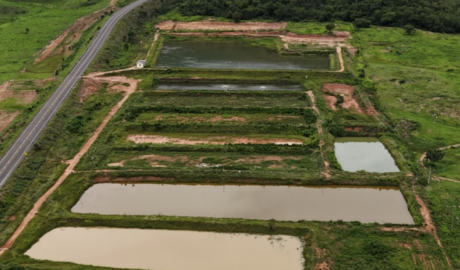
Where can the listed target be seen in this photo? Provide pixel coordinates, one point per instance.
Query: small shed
(141, 63)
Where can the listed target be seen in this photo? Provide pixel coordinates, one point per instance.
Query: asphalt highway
(24, 142)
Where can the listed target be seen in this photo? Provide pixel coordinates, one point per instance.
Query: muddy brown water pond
(290, 203)
(169, 250)
(224, 55)
(369, 154)
(230, 87)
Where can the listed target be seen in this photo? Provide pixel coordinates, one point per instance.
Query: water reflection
(169, 250)
(369, 154)
(248, 202)
(204, 54)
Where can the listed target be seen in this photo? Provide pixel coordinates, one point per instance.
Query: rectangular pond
(369, 154)
(291, 203)
(230, 55)
(169, 250)
(230, 87)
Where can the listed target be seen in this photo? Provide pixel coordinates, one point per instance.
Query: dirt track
(319, 127)
(73, 162)
(222, 26)
(216, 140)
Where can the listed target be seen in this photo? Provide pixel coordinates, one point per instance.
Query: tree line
(437, 16)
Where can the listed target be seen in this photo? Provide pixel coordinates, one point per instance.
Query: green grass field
(45, 20)
(418, 81)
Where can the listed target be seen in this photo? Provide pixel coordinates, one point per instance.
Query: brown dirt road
(428, 222)
(220, 26)
(326, 173)
(216, 140)
(72, 163)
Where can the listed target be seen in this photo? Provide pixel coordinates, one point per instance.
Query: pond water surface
(369, 154)
(204, 54)
(229, 87)
(169, 250)
(292, 203)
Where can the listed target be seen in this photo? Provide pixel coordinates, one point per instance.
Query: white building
(141, 64)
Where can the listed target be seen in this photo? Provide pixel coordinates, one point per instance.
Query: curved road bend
(17, 151)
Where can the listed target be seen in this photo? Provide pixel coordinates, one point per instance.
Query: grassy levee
(348, 244)
(28, 27)
(152, 76)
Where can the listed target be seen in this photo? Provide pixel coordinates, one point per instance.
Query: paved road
(17, 151)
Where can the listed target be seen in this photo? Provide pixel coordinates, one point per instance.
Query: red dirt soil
(219, 140)
(428, 224)
(346, 91)
(223, 26)
(330, 101)
(23, 96)
(6, 118)
(353, 129)
(78, 26)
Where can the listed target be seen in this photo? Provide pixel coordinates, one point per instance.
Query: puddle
(230, 87)
(290, 203)
(169, 250)
(369, 154)
(204, 54)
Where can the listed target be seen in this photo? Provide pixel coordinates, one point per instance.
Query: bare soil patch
(286, 37)
(220, 140)
(258, 159)
(6, 118)
(347, 92)
(322, 266)
(353, 129)
(138, 179)
(223, 26)
(330, 101)
(23, 96)
(88, 87)
(71, 35)
(198, 119)
(352, 50)
(400, 229)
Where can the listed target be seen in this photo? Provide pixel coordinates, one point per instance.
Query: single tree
(330, 27)
(236, 16)
(410, 29)
(433, 156)
(27, 30)
(359, 23)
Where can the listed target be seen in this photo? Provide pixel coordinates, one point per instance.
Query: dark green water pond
(229, 55)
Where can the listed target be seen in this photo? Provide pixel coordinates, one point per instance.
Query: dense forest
(434, 15)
